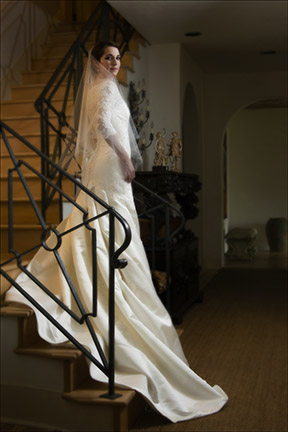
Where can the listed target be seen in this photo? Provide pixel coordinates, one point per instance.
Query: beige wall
(257, 169)
(164, 89)
(217, 97)
(224, 95)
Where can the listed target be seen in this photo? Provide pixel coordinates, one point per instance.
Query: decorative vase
(276, 232)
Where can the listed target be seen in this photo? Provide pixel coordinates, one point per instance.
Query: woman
(148, 355)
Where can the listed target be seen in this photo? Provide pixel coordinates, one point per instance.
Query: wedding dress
(148, 355)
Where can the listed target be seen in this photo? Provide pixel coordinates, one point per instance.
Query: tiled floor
(261, 260)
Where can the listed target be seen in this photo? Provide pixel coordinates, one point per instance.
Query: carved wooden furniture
(180, 264)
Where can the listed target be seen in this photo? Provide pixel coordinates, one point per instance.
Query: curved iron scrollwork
(83, 316)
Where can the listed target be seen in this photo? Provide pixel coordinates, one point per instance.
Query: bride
(148, 354)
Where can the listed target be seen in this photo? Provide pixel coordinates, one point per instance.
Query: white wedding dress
(148, 355)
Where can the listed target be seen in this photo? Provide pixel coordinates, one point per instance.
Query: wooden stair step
(27, 124)
(92, 392)
(44, 349)
(34, 185)
(16, 108)
(88, 390)
(24, 213)
(36, 76)
(127, 407)
(19, 147)
(19, 310)
(25, 237)
(12, 107)
(15, 309)
(34, 90)
(42, 63)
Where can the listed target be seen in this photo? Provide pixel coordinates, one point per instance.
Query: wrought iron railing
(156, 213)
(104, 23)
(83, 317)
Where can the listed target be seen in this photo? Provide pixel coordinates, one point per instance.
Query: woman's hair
(100, 47)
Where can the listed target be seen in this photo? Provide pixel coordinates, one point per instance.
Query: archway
(256, 139)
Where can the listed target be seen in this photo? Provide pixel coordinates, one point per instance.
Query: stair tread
(42, 348)
(15, 310)
(33, 86)
(25, 199)
(21, 154)
(21, 226)
(33, 134)
(27, 176)
(27, 117)
(33, 71)
(91, 391)
(23, 101)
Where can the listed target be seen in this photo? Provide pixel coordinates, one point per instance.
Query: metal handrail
(152, 212)
(66, 79)
(83, 316)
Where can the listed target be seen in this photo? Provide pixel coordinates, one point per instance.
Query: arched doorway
(256, 143)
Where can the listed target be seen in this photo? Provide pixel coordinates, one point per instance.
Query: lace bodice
(108, 117)
(107, 113)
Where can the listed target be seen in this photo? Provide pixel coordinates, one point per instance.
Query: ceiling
(233, 32)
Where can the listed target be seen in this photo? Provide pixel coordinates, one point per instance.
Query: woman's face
(111, 60)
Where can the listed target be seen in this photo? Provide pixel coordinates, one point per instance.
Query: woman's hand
(127, 169)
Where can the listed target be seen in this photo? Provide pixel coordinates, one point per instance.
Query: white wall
(225, 94)
(164, 90)
(257, 169)
(191, 105)
(140, 73)
(217, 97)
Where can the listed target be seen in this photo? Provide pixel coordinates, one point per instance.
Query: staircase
(44, 385)
(49, 386)
(19, 113)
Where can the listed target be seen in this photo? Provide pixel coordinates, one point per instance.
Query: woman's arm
(103, 116)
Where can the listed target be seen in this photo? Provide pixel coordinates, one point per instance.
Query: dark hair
(100, 47)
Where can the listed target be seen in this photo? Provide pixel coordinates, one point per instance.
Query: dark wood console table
(180, 263)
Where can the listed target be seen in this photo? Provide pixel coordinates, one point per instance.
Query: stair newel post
(111, 363)
(111, 306)
(167, 257)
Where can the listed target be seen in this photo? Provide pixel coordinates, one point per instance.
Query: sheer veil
(84, 125)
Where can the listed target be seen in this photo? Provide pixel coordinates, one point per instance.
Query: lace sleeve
(100, 109)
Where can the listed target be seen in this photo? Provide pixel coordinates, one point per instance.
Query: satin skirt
(148, 354)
